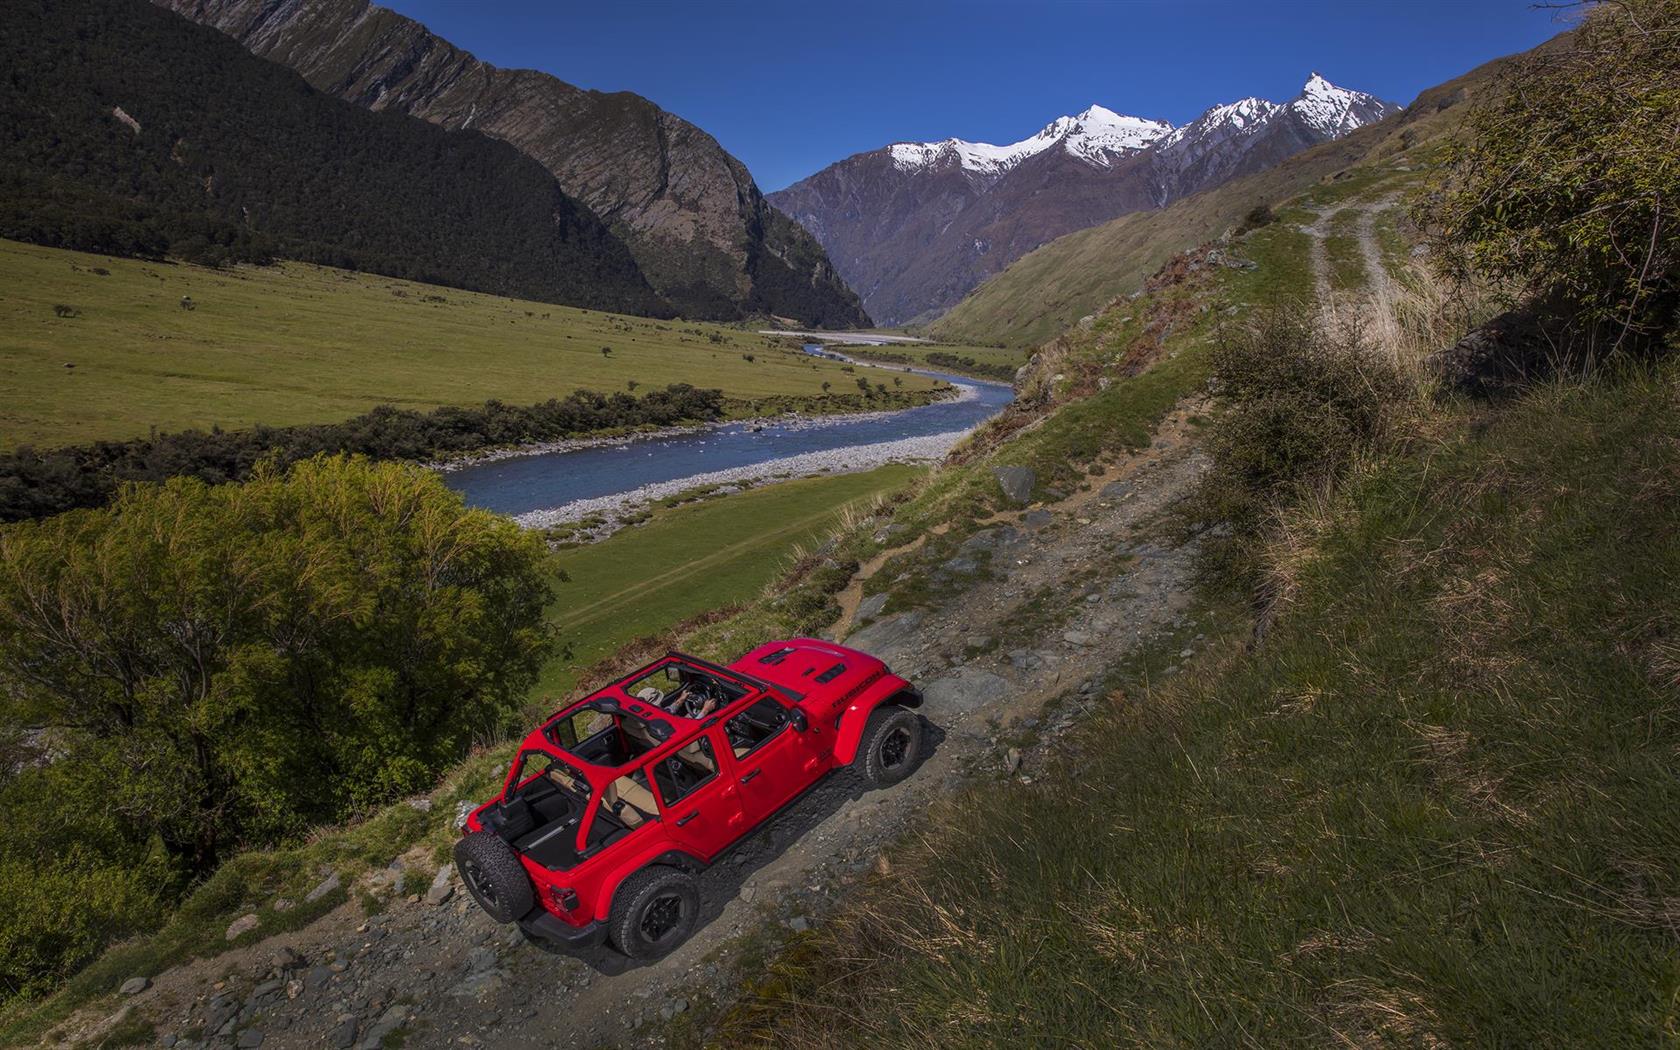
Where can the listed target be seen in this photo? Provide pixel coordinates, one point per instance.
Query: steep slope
(915, 226)
(691, 214)
(1049, 289)
(131, 131)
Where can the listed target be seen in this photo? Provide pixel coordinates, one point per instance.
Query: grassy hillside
(643, 580)
(1049, 289)
(1436, 808)
(296, 343)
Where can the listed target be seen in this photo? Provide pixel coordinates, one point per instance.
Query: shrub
(1299, 402)
(243, 662)
(1570, 183)
(1258, 216)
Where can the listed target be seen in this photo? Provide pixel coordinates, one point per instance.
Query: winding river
(547, 487)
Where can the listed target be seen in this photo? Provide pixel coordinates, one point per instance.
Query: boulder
(443, 885)
(872, 607)
(1017, 483)
(134, 986)
(1501, 356)
(324, 887)
(389, 1021)
(240, 926)
(343, 1034)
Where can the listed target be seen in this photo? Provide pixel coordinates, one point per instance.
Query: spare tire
(493, 875)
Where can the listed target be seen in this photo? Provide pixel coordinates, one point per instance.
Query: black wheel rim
(478, 883)
(661, 917)
(895, 748)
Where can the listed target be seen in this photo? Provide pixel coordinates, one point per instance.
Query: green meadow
(646, 579)
(103, 348)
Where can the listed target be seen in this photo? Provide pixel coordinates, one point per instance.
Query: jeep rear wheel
(493, 875)
(891, 747)
(653, 911)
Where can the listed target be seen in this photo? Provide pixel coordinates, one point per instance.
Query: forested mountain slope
(690, 212)
(134, 132)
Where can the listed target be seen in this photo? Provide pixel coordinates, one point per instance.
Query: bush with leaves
(236, 664)
(1299, 400)
(1570, 184)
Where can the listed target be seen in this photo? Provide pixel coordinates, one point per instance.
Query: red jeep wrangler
(614, 804)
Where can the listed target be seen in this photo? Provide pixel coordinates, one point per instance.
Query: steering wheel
(697, 696)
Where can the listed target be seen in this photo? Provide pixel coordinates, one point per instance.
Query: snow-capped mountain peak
(1096, 136)
(1100, 134)
(1234, 117)
(1335, 111)
(1327, 111)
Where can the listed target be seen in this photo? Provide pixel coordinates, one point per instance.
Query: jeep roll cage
(644, 734)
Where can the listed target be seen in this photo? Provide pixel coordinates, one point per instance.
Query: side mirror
(800, 722)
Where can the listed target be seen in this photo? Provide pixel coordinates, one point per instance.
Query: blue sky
(791, 87)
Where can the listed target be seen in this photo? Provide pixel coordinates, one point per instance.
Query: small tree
(606, 351)
(1569, 184)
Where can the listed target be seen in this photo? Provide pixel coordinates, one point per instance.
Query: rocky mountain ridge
(695, 222)
(916, 226)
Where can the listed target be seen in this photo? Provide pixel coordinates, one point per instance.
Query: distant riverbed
(548, 487)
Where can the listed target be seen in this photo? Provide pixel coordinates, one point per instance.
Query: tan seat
(697, 758)
(638, 803)
(638, 732)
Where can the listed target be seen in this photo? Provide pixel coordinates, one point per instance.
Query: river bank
(955, 394)
(614, 478)
(851, 459)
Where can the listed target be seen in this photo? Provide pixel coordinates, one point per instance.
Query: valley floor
(107, 348)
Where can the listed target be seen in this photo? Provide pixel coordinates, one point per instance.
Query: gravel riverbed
(850, 459)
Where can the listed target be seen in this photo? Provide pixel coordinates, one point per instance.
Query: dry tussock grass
(1365, 1013)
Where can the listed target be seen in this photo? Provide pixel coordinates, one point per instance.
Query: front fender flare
(850, 725)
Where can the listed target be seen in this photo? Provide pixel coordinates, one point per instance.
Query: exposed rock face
(914, 227)
(693, 218)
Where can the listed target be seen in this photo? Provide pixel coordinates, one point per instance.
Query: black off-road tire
(891, 747)
(653, 911)
(491, 872)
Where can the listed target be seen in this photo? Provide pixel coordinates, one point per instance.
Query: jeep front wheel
(653, 911)
(493, 875)
(891, 746)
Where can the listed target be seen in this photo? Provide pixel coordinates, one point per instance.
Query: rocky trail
(1036, 605)
(1378, 281)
